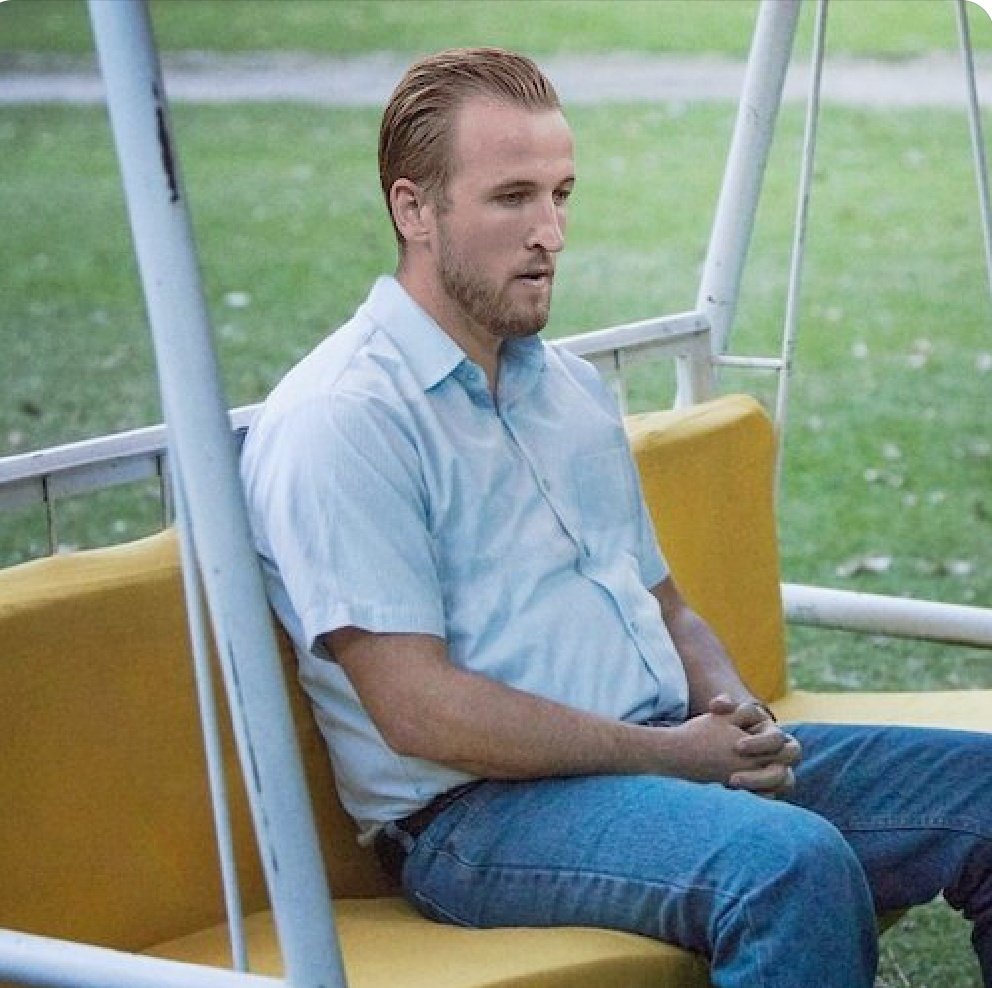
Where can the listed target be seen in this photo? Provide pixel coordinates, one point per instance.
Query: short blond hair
(416, 129)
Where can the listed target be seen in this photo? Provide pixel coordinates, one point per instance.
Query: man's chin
(521, 330)
(525, 324)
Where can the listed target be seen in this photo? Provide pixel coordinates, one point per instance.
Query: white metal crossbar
(36, 960)
(42, 477)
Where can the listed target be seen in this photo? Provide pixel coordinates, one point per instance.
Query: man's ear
(412, 211)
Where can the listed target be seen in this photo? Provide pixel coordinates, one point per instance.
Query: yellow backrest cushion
(707, 476)
(106, 834)
(101, 780)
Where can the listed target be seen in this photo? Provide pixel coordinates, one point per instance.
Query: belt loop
(397, 839)
(395, 832)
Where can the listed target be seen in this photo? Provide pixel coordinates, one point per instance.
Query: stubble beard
(484, 302)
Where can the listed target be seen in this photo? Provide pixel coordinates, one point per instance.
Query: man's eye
(561, 196)
(510, 198)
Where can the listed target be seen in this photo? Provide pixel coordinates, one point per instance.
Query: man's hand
(770, 752)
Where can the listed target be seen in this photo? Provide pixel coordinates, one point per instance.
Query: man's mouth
(538, 276)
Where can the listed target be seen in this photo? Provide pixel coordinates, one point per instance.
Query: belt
(390, 847)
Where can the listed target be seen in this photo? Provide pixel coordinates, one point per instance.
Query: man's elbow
(426, 739)
(408, 736)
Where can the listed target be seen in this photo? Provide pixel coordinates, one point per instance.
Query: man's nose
(548, 230)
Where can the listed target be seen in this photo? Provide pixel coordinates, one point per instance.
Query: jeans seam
(569, 873)
(967, 826)
(662, 886)
(613, 876)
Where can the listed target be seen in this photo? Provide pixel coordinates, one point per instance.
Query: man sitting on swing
(522, 712)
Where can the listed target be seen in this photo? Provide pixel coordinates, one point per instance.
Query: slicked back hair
(415, 138)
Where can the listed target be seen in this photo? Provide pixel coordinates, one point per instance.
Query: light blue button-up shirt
(387, 490)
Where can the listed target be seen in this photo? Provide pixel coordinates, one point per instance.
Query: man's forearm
(427, 708)
(709, 670)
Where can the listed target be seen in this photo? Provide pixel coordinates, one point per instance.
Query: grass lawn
(888, 483)
(891, 28)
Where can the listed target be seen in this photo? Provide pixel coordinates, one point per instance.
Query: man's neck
(478, 344)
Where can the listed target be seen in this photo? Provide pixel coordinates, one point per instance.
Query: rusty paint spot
(165, 146)
(264, 836)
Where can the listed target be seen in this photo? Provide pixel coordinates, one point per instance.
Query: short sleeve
(339, 508)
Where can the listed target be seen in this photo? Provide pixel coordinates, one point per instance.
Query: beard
(486, 303)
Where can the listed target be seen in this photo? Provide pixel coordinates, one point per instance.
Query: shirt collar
(430, 353)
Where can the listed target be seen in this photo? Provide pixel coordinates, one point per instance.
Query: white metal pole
(764, 80)
(875, 614)
(977, 138)
(200, 435)
(791, 326)
(33, 960)
(192, 589)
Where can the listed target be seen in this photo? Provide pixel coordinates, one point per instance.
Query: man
(523, 713)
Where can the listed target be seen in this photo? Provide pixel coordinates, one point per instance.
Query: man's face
(501, 220)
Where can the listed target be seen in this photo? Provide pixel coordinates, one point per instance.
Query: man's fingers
(771, 780)
(750, 716)
(773, 744)
(722, 703)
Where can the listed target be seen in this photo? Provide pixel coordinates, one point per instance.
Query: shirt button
(545, 483)
(634, 627)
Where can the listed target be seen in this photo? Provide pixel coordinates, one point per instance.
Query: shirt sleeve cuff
(378, 619)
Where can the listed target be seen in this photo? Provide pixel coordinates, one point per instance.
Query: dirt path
(936, 80)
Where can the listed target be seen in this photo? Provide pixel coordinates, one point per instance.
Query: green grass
(890, 28)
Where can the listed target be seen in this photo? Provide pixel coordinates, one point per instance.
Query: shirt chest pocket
(605, 490)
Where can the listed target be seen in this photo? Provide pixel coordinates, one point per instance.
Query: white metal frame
(35, 960)
(200, 455)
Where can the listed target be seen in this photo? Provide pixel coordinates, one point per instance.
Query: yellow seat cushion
(966, 710)
(385, 942)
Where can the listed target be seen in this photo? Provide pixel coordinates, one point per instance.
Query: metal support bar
(125, 457)
(733, 223)
(977, 139)
(899, 617)
(210, 726)
(205, 456)
(34, 960)
(684, 335)
(165, 490)
(748, 363)
(791, 326)
(90, 465)
(632, 336)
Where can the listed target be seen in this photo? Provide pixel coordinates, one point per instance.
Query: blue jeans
(774, 892)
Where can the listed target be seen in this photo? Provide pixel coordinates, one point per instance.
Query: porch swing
(107, 839)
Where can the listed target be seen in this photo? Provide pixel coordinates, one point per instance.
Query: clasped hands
(739, 745)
